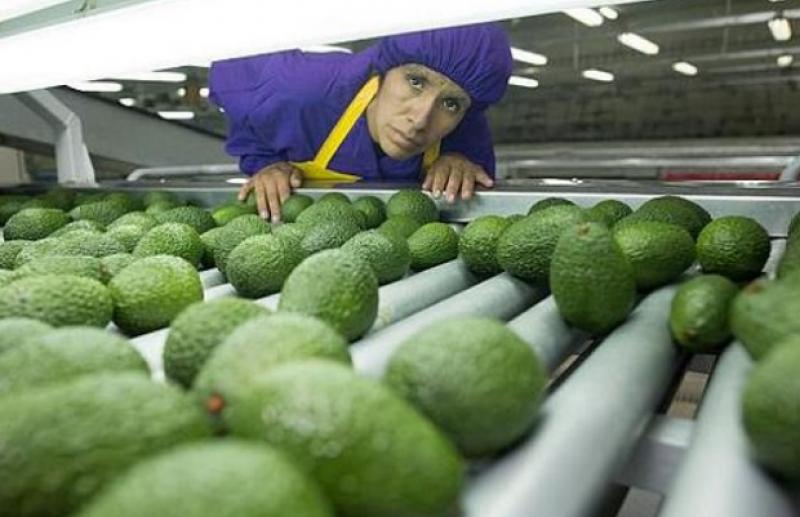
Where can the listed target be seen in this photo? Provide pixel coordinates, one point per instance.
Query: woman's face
(414, 108)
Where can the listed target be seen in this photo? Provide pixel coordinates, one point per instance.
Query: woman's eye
(451, 105)
(415, 81)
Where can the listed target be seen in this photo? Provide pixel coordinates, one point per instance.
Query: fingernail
(265, 214)
(437, 193)
(276, 219)
(451, 198)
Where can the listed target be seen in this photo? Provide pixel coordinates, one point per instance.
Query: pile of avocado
(270, 400)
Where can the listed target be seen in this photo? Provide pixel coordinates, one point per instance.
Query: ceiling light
(525, 82)
(773, 1)
(326, 48)
(609, 13)
(780, 28)
(176, 115)
(204, 92)
(237, 181)
(127, 101)
(96, 86)
(598, 75)
(158, 77)
(785, 60)
(585, 15)
(181, 92)
(682, 67)
(526, 56)
(636, 42)
(13, 8)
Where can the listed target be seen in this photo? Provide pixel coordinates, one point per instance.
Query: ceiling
(739, 90)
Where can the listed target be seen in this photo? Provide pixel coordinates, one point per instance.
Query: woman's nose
(420, 114)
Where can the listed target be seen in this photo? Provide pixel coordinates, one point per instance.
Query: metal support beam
(72, 156)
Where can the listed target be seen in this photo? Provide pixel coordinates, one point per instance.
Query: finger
(296, 178)
(427, 183)
(467, 186)
(454, 184)
(484, 179)
(261, 199)
(273, 198)
(282, 182)
(245, 190)
(440, 180)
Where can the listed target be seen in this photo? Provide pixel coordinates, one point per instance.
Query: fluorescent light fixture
(158, 77)
(785, 60)
(204, 92)
(13, 8)
(774, 1)
(164, 34)
(181, 92)
(525, 82)
(326, 48)
(780, 28)
(609, 13)
(526, 56)
(636, 42)
(96, 86)
(127, 101)
(598, 75)
(236, 181)
(176, 115)
(586, 16)
(682, 67)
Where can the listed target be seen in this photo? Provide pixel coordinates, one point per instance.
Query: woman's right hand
(272, 185)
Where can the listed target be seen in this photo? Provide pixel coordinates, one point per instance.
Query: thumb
(484, 179)
(295, 179)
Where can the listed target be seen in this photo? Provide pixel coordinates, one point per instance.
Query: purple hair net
(476, 57)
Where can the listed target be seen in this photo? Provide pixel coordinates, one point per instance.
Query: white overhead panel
(161, 34)
(96, 86)
(156, 77)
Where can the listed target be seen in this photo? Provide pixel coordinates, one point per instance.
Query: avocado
(16, 331)
(790, 260)
(124, 199)
(69, 440)
(33, 224)
(388, 255)
(41, 248)
(9, 208)
(526, 247)
(292, 231)
(226, 213)
(149, 293)
(256, 346)
(672, 210)
(159, 207)
(431, 245)
(59, 197)
(334, 197)
(248, 479)
(658, 252)
(176, 239)
(9, 251)
(699, 315)
(196, 332)
(765, 312)
(478, 244)
(608, 211)
(104, 212)
(328, 234)
(373, 208)
(233, 234)
(259, 265)
(85, 198)
(210, 240)
(370, 451)
(733, 246)
(110, 265)
(770, 412)
(160, 196)
(84, 224)
(59, 300)
(548, 202)
(81, 242)
(128, 235)
(402, 226)
(336, 287)
(293, 205)
(794, 224)
(62, 354)
(142, 219)
(474, 378)
(591, 280)
(325, 212)
(85, 266)
(194, 216)
(413, 204)
(6, 277)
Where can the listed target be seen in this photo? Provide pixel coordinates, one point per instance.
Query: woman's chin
(397, 153)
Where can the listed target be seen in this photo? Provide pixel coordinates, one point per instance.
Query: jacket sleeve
(238, 86)
(473, 138)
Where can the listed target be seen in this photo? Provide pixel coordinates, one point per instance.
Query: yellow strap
(430, 156)
(346, 122)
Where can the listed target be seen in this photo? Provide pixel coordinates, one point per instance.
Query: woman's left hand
(452, 173)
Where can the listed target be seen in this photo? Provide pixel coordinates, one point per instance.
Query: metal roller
(588, 427)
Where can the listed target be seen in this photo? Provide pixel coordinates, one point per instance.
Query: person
(411, 105)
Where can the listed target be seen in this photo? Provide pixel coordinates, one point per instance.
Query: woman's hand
(451, 173)
(272, 185)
